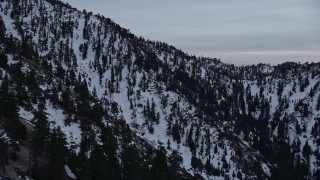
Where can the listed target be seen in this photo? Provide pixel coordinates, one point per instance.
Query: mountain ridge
(99, 81)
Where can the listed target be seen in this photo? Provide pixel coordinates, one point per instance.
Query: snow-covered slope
(214, 120)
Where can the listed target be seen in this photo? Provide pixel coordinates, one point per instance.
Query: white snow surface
(56, 118)
(266, 169)
(69, 172)
(134, 117)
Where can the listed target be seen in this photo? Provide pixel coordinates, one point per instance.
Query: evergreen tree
(3, 152)
(160, 167)
(306, 151)
(41, 131)
(2, 30)
(131, 167)
(208, 166)
(57, 152)
(318, 103)
(9, 112)
(99, 164)
(3, 60)
(110, 147)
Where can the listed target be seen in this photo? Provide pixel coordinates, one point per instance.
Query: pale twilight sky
(240, 32)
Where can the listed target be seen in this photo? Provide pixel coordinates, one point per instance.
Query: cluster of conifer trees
(220, 95)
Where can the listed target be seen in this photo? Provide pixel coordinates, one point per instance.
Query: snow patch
(57, 118)
(266, 169)
(69, 172)
(28, 116)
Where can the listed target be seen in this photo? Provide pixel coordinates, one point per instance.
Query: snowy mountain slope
(216, 120)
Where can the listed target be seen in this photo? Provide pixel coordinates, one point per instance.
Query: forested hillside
(83, 98)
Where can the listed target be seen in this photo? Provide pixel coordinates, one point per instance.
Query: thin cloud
(213, 27)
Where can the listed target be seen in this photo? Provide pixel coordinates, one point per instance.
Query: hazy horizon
(239, 32)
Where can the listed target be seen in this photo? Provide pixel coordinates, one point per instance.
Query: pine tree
(3, 152)
(41, 130)
(208, 166)
(110, 147)
(2, 30)
(306, 151)
(318, 103)
(99, 164)
(9, 112)
(57, 152)
(160, 167)
(131, 167)
(3, 60)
